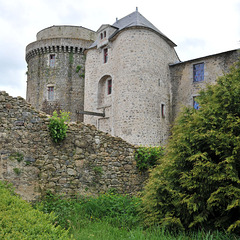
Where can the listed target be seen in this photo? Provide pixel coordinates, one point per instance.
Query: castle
(126, 78)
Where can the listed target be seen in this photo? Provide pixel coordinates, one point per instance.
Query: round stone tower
(56, 69)
(128, 78)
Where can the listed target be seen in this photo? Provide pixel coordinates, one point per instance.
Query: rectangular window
(163, 110)
(198, 72)
(105, 55)
(50, 93)
(195, 104)
(105, 34)
(109, 86)
(52, 60)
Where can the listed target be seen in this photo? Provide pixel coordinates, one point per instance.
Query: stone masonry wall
(88, 161)
(184, 89)
(137, 63)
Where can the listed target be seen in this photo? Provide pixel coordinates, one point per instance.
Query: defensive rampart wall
(88, 161)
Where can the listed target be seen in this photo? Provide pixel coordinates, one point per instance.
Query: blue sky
(199, 28)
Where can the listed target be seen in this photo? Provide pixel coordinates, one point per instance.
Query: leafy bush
(62, 208)
(57, 126)
(197, 185)
(146, 157)
(18, 220)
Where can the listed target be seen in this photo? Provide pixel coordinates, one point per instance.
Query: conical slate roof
(135, 19)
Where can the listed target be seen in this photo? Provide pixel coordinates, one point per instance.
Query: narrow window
(195, 104)
(105, 55)
(109, 84)
(50, 93)
(101, 36)
(105, 34)
(163, 110)
(198, 72)
(52, 60)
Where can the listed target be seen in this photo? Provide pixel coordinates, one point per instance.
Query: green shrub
(147, 157)
(197, 185)
(98, 170)
(17, 171)
(62, 208)
(57, 126)
(18, 220)
(18, 156)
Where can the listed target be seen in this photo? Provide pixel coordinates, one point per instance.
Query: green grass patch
(113, 216)
(109, 216)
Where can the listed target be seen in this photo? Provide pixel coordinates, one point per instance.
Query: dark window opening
(105, 34)
(101, 36)
(50, 93)
(163, 110)
(52, 60)
(198, 72)
(109, 85)
(105, 55)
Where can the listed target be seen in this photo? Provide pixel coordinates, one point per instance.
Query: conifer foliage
(198, 183)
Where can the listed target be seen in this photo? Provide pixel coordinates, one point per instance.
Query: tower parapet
(56, 64)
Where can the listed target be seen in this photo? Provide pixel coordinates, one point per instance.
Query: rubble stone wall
(88, 161)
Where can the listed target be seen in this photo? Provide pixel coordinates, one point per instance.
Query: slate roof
(135, 19)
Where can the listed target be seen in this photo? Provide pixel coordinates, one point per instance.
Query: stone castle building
(129, 72)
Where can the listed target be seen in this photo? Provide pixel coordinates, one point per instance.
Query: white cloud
(199, 28)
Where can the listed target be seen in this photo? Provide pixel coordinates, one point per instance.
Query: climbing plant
(81, 71)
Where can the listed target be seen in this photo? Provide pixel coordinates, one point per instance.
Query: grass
(104, 231)
(112, 216)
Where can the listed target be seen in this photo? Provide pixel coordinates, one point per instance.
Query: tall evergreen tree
(198, 183)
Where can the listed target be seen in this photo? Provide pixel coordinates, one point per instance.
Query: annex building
(126, 77)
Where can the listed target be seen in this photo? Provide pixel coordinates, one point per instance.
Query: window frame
(198, 74)
(52, 60)
(50, 93)
(196, 105)
(105, 55)
(109, 86)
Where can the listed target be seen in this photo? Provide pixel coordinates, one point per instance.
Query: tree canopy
(197, 183)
